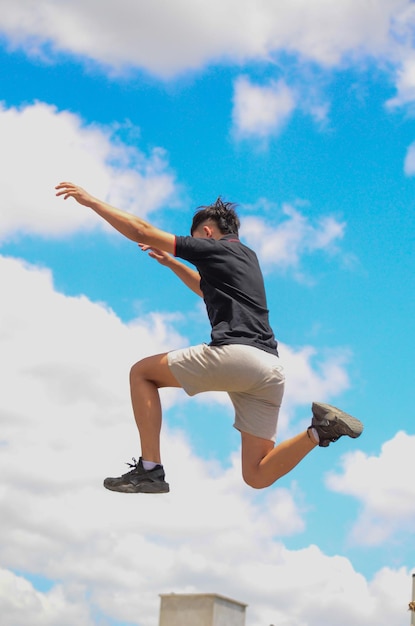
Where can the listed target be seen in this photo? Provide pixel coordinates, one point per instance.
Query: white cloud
(41, 146)
(284, 245)
(404, 57)
(405, 82)
(66, 423)
(313, 375)
(409, 165)
(261, 110)
(166, 38)
(385, 487)
(21, 603)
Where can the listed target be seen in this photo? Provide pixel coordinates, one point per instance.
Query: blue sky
(302, 113)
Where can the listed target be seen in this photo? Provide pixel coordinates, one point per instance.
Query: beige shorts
(253, 379)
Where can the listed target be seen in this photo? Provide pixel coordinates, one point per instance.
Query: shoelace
(133, 464)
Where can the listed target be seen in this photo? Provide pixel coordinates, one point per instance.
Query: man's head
(215, 220)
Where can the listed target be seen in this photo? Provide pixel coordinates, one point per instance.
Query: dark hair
(222, 213)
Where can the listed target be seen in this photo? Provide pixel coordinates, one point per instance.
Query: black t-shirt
(233, 290)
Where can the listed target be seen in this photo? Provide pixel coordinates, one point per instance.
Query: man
(241, 359)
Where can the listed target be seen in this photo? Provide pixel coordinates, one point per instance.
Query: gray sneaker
(331, 423)
(139, 480)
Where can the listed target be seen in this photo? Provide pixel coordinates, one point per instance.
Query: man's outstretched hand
(131, 226)
(69, 190)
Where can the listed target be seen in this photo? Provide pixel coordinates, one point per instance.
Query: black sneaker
(331, 423)
(139, 480)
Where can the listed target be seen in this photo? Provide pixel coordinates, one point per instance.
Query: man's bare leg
(146, 378)
(263, 464)
(146, 475)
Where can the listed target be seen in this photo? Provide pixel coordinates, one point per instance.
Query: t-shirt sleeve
(192, 249)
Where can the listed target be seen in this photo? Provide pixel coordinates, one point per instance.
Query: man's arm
(131, 226)
(189, 276)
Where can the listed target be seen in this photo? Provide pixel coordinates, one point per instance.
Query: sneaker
(139, 480)
(331, 423)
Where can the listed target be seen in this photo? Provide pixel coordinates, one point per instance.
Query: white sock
(315, 434)
(148, 465)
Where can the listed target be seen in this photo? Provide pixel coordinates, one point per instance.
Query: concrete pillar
(200, 609)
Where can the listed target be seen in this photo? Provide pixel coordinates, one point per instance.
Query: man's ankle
(149, 465)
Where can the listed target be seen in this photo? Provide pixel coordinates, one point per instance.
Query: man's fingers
(65, 188)
(64, 184)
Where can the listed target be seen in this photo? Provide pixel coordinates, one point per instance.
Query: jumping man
(241, 358)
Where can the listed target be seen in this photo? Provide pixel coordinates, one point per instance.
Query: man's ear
(208, 231)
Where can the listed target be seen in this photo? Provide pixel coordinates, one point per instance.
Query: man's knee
(253, 479)
(137, 370)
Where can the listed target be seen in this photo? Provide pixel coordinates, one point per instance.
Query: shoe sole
(144, 488)
(353, 426)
